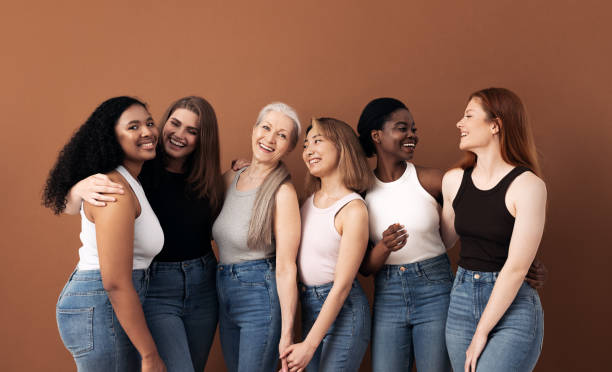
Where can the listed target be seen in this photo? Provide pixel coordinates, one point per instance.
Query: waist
(180, 265)
(417, 269)
(322, 289)
(473, 276)
(263, 264)
(94, 275)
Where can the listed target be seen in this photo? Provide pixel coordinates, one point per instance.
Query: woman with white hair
(256, 276)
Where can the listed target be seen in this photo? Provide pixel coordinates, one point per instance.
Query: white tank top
(148, 234)
(406, 202)
(320, 243)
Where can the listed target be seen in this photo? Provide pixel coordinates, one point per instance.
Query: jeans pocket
(252, 277)
(76, 329)
(438, 276)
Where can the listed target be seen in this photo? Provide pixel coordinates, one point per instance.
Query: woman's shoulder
(527, 184)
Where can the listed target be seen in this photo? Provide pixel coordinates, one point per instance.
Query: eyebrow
(175, 119)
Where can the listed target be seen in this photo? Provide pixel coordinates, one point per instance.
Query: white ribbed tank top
(406, 202)
(148, 234)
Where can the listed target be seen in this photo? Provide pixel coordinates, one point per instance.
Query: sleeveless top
(148, 235)
(483, 222)
(406, 202)
(231, 227)
(186, 219)
(320, 243)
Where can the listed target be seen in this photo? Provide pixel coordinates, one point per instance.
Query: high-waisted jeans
(410, 309)
(249, 315)
(89, 327)
(182, 310)
(346, 341)
(516, 340)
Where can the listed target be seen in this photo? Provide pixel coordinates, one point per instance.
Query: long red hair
(515, 137)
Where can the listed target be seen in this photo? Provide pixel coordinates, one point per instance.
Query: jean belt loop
(419, 269)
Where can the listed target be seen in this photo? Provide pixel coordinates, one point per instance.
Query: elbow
(112, 286)
(365, 270)
(343, 289)
(286, 270)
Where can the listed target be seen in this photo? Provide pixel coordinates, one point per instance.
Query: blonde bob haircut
(352, 162)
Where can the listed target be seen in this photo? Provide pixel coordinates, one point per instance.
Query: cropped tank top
(483, 222)
(148, 235)
(231, 227)
(406, 202)
(320, 243)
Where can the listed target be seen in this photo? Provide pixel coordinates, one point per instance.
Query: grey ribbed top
(231, 228)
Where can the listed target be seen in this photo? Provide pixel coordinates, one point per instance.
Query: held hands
(479, 341)
(153, 364)
(537, 274)
(298, 356)
(93, 188)
(394, 237)
(283, 344)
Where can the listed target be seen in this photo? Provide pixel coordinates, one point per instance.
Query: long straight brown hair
(203, 166)
(515, 136)
(353, 164)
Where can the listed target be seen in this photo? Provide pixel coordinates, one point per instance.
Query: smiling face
(475, 127)
(397, 137)
(180, 133)
(271, 138)
(137, 134)
(320, 154)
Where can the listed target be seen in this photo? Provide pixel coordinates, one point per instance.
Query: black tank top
(483, 222)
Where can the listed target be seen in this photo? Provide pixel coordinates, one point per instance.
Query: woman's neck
(332, 188)
(174, 165)
(489, 162)
(389, 169)
(133, 167)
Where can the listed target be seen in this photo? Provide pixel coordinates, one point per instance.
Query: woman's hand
(153, 363)
(284, 343)
(479, 341)
(93, 188)
(298, 356)
(394, 237)
(238, 164)
(537, 274)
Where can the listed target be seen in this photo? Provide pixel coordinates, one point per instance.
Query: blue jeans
(346, 341)
(249, 315)
(410, 309)
(514, 343)
(89, 327)
(181, 311)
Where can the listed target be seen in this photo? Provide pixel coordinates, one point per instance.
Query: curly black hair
(92, 149)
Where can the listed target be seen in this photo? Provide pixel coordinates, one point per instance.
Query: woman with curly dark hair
(99, 312)
(185, 188)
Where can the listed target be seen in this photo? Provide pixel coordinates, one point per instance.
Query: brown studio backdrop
(60, 59)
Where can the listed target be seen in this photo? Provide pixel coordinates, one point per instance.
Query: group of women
(148, 292)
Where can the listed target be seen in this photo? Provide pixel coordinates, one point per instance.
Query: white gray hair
(286, 110)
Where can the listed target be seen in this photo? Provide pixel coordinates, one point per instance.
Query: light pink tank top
(320, 242)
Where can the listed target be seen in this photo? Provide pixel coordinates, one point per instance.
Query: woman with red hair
(495, 203)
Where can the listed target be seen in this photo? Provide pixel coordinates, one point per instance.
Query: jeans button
(402, 268)
(220, 268)
(476, 276)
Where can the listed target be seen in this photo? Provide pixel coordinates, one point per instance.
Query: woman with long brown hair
(185, 188)
(496, 204)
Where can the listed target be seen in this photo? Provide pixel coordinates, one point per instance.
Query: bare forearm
(329, 311)
(375, 259)
(286, 285)
(128, 308)
(506, 287)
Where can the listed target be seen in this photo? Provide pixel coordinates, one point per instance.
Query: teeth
(266, 147)
(176, 143)
(312, 161)
(463, 134)
(409, 145)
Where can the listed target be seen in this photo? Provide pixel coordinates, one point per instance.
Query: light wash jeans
(249, 315)
(514, 343)
(181, 310)
(410, 309)
(346, 341)
(89, 327)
